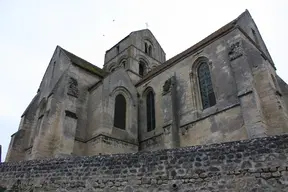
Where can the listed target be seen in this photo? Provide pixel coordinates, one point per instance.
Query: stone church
(224, 88)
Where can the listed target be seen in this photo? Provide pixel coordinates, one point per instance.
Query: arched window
(150, 50)
(112, 68)
(150, 111)
(141, 68)
(123, 63)
(120, 112)
(148, 47)
(205, 83)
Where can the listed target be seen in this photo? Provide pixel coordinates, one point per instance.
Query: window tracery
(205, 85)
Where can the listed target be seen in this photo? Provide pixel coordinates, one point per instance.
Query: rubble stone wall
(250, 165)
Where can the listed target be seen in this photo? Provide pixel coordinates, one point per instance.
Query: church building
(224, 88)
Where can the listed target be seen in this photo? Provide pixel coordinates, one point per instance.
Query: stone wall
(101, 106)
(250, 165)
(219, 123)
(132, 49)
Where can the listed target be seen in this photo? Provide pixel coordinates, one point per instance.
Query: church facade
(224, 88)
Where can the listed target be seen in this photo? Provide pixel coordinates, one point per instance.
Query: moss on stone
(84, 64)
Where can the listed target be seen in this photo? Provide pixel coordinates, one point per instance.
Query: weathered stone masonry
(251, 165)
(224, 88)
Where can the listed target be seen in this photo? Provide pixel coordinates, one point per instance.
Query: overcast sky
(31, 29)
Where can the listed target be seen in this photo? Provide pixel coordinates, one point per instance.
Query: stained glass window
(150, 107)
(206, 88)
(120, 112)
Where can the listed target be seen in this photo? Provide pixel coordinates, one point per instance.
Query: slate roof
(84, 64)
(190, 50)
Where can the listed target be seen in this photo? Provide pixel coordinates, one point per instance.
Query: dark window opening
(118, 49)
(206, 88)
(146, 48)
(150, 50)
(150, 107)
(141, 68)
(123, 63)
(120, 112)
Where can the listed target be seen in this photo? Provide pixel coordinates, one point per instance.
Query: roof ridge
(83, 63)
(75, 55)
(172, 60)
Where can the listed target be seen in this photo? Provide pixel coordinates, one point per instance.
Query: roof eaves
(118, 42)
(78, 61)
(231, 25)
(94, 86)
(90, 68)
(258, 47)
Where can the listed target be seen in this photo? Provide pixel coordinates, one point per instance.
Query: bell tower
(138, 53)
